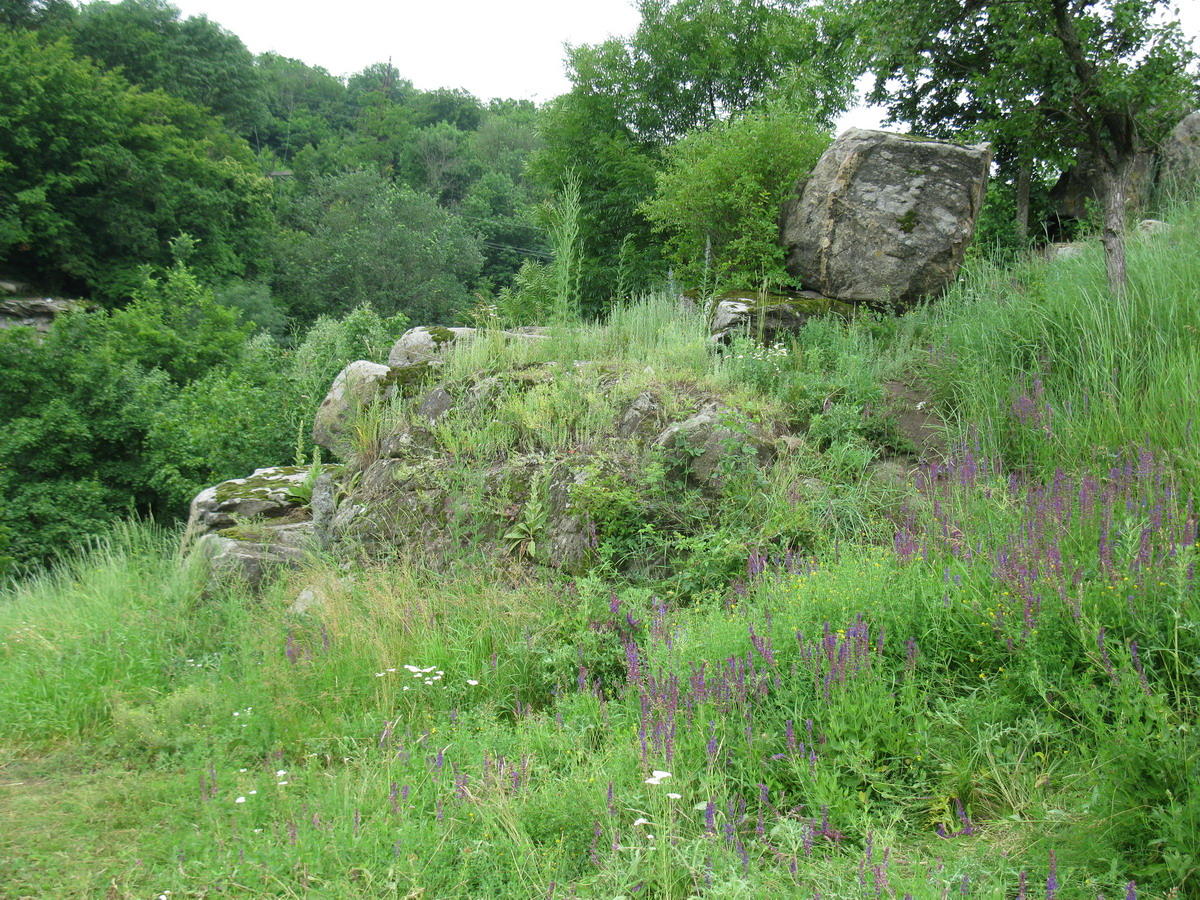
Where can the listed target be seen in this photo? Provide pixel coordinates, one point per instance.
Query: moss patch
(440, 334)
(261, 487)
(405, 376)
(908, 221)
(814, 305)
(250, 534)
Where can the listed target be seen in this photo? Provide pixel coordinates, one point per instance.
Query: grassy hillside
(980, 680)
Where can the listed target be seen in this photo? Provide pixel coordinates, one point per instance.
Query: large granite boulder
(1180, 167)
(356, 387)
(885, 217)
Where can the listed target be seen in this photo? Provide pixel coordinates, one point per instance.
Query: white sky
(491, 48)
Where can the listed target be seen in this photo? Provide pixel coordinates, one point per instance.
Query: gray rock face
(265, 494)
(776, 314)
(641, 417)
(885, 217)
(1064, 251)
(323, 507)
(1181, 155)
(35, 312)
(1081, 187)
(357, 386)
(309, 599)
(254, 561)
(710, 444)
(568, 535)
(422, 348)
(436, 404)
(424, 345)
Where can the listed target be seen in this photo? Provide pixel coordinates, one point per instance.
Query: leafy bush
(530, 298)
(718, 200)
(138, 409)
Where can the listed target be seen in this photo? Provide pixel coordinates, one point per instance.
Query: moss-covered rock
(424, 345)
(268, 493)
(772, 316)
(272, 549)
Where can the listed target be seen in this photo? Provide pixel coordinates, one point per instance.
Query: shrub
(718, 200)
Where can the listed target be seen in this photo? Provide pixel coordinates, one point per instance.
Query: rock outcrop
(1180, 165)
(519, 501)
(769, 316)
(707, 446)
(269, 493)
(1080, 189)
(38, 313)
(423, 346)
(885, 217)
(356, 387)
(252, 560)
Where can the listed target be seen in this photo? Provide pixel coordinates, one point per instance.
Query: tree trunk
(1024, 173)
(1116, 176)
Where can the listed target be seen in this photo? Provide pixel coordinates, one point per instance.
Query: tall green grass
(114, 620)
(1010, 677)
(1043, 362)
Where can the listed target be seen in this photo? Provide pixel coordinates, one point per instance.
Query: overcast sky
(492, 48)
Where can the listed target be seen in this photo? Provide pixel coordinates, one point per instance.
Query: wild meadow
(982, 681)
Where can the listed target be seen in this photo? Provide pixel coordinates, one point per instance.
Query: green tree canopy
(36, 14)
(690, 63)
(718, 199)
(193, 59)
(305, 105)
(1055, 79)
(358, 238)
(96, 177)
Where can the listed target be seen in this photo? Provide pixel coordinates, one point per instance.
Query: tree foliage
(719, 196)
(53, 15)
(357, 239)
(693, 62)
(193, 59)
(689, 64)
(138, 409)
(1049, 80)
(77, 409)
(96, 177)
